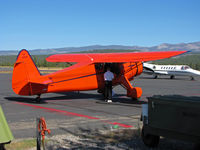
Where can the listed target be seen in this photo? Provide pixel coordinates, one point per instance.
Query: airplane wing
(113, 57)
(161, 72)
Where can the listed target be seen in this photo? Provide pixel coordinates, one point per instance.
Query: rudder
(24, 71)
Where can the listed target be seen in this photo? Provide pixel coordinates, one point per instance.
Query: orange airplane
(86, 74)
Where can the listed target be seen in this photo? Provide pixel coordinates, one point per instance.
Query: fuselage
(89, 77)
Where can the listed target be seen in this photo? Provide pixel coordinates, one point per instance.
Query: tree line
(39, 60)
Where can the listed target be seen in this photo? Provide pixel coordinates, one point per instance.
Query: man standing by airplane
(108, 77)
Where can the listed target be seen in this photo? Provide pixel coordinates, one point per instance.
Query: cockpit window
(185, 67)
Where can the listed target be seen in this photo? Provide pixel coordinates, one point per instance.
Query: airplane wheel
(38, 99)
(155, 77)
(134, 99)
(100, 91)
(172, 77)
(192, 78)
(149, 139)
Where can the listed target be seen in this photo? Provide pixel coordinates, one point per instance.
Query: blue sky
(34, 24)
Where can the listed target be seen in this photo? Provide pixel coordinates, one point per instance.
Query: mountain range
(194, 47)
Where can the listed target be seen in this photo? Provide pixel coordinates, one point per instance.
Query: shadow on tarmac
(21, 99)
(118, 99)
(65, 96)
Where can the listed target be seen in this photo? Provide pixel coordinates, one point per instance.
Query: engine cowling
(130, 70)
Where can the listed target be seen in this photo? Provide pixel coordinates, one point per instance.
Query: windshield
(185, 67)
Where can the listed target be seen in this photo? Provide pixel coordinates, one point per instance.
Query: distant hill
(194, 47)
(69, 50)
(107, 51)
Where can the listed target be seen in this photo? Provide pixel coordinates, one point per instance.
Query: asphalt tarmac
(86, 110)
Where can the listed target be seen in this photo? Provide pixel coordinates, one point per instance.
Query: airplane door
(99, 68)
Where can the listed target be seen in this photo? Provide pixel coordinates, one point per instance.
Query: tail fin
(24, 72)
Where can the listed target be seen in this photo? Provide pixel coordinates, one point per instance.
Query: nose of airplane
(196, 72)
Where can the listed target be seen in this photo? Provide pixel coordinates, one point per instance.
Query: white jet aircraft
(171, 70)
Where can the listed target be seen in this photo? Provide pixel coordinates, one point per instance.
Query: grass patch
(40, 68)
(51, 68)
(21, 145)
(5, 71)
(43, 70)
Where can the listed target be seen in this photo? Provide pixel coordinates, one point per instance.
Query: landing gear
(133, 92)
(191, 78)
(172, 77)
(134, 99)
(155, 76)
(38, 99)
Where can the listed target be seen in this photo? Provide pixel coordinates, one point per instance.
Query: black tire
(100, 91)
(192, 78)
(38, 100)
(172, 77)
(134, 99)
(150, 140)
